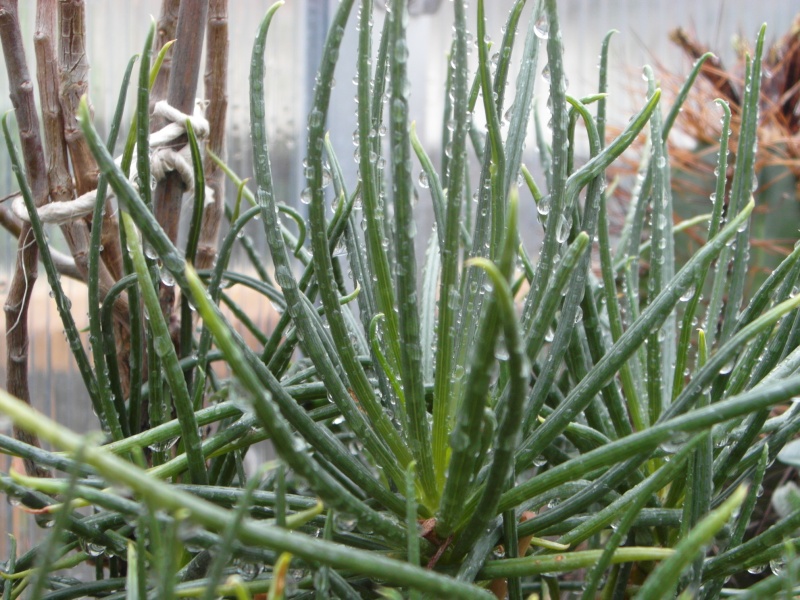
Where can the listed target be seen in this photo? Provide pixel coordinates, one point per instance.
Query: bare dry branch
(181, 95)
(26, 269)
(216, 93)
(167, 25)
(74, 75)
(60, 180)
(74, 80)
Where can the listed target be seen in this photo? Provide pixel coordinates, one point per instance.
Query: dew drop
(562, 230)
(542, 28)
(344, 523)
(543, 206)
(248, 570)
(777, 566)
(423, 180)
(166, 278)
(95, 550)
(163, 445)
(687, 295)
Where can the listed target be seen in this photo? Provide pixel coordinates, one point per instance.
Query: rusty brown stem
(26, 267)
(217, 97)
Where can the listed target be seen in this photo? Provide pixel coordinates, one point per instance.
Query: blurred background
(116, 31)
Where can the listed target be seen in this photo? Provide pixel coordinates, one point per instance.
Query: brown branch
(216, 93)
(187, 53)
(60, 180)
(167, 25)
(74, 75)
(74, 80)
(25, 273)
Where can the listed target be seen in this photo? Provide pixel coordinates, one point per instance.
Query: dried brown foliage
(779, 117)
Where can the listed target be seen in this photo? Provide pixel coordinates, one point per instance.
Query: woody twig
(26, 267)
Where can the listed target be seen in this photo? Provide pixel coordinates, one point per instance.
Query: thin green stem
(165, 350)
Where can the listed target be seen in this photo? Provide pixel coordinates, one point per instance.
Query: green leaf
(664, 579)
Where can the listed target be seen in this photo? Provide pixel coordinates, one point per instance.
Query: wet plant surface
(483, 420)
